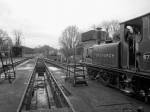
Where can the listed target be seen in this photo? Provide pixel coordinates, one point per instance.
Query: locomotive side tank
(107, 55)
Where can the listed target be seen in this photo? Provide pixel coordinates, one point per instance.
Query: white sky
(42, 21)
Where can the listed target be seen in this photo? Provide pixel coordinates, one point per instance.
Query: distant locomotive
(125, 64)
(16, 51)
(22, 51)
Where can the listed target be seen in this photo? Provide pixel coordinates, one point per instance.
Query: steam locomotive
(124, 64)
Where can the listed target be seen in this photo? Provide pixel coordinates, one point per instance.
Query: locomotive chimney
(98, 35)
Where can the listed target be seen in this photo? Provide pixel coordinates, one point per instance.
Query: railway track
(130, 94)
(43, 94)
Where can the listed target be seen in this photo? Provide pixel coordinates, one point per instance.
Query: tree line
(6, 41)
(46, 50)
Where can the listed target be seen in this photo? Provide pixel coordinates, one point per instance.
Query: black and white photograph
(74, 55)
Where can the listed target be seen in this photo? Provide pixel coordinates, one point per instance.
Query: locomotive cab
(135, 39)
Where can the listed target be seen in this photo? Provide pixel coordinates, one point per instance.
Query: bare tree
(69, 40)
(3, 35)
(116, 36)
(111, 27)
(115, 26)
(94, 26)
(18, 37)
(105, 25)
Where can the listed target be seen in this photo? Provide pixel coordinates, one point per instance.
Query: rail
(26, 93)
(57, 91)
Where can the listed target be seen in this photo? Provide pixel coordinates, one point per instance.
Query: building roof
(135, 18)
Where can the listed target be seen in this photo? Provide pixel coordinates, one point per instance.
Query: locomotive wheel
(136, 85)
(9, 79)
(74, 82)
(146, 98)
(105, 78)
(86, 84)
(92, 75)
(121, 81)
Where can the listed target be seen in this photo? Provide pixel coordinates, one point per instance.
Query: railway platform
(96, 97)
(11, 93)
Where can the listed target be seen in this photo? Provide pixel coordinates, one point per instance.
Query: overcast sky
(42, 21)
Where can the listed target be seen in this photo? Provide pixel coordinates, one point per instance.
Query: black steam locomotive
(124, 64)
(16, 51)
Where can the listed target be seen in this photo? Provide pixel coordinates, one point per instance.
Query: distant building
(27, 50)
(92, 37)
